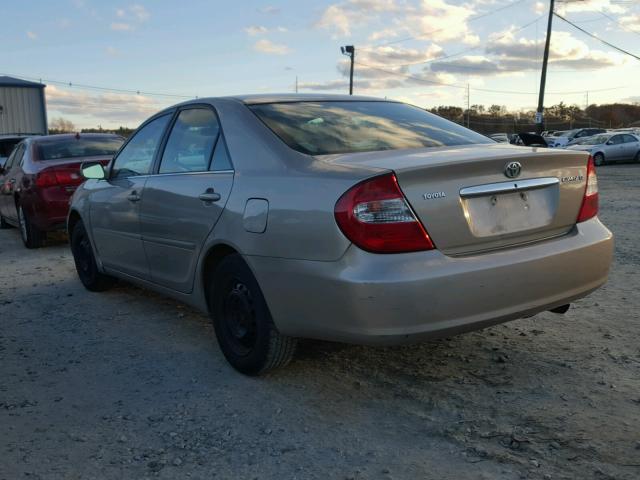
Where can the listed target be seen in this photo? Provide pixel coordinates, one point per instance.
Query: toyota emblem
(512, 169)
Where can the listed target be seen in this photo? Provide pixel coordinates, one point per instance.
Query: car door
(630, 147)
(185, 197)
(615, 149)
(10, 183)
(114, 209)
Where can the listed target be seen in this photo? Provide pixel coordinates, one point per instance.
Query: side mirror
(92, 171)
(609, 142)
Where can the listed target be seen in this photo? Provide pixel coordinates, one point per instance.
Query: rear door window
(191, 142)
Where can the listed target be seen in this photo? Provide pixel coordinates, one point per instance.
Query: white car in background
(564, 138)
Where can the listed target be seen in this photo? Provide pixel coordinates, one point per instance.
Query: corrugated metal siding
(23, 110)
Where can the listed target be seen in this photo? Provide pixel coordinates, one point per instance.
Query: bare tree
(61, 125)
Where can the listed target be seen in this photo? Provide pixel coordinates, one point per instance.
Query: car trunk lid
(468, 204)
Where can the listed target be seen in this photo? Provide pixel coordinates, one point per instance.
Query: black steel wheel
(85, 261)
(244, 328)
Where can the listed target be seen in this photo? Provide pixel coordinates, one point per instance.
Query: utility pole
(350, 51)
(543, 77)
(468, 106)
(296, 83)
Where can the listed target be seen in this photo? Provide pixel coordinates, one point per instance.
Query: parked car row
(39, 177)
(337, 218)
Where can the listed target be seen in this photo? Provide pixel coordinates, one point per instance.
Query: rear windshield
(71, 147)
(6, 146)
(323, 128)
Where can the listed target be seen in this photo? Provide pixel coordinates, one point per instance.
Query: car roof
(301, 97)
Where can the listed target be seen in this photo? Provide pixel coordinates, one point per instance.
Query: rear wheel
(598, 159)
(247, 336)
(32, 237)
(85, 261)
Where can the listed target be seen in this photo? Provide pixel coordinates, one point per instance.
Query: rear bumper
(386, 299)
(48, 207)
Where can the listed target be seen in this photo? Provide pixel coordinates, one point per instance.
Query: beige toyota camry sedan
(341, 218)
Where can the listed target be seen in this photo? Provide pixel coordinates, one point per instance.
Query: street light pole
(543, 77)
(350, 51)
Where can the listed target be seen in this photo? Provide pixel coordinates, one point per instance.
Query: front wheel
(598, 159)
(247, 336)
(32, 237)
(85, 261)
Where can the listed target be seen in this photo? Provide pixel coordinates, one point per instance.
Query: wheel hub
(239, 317)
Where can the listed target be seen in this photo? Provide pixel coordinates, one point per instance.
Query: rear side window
(321, 128)
(630, 138)
(74, 147)
(191, 142)
(137, 155)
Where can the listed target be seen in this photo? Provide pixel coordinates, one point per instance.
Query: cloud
(631, 22)
(635, 99)
(121, 26)
(270, 48)
(255, 30)
(336, 19)
(32, 35)
(112, 51)
(269, 10)
(613, 6)
(103, 108)
(390, 55)
(566, 50)
(139, 12)
(129, 17)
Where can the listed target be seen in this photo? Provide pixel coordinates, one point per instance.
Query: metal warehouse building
(22, 107)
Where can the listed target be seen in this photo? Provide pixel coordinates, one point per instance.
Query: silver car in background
(339, 218)
(610, 147)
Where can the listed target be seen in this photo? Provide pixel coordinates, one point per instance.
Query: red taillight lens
(64, 176)
(376, 217)
(589, 207)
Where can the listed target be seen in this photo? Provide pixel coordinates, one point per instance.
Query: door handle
(133, 197)
(209, 196)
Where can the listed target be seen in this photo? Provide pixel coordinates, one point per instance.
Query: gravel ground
(128, 384)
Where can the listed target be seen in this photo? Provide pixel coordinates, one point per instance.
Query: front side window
(322, 128)
(616, 140)
(191, 142)
(137, 155)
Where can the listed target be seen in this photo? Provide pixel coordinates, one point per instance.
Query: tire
(32, 237)
(244, 328)
(598, 159)
(637, 158)
(85, 261)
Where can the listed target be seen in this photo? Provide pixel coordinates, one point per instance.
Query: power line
(99, 88)
(596, 37)
(477, 17)
(619, 24)
(467, 50)
(464, 87)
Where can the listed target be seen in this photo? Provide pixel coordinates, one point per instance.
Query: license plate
(506, 213)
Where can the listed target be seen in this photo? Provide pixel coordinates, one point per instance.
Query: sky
(426, 52)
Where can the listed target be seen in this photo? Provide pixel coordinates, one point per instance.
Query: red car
(40, 176)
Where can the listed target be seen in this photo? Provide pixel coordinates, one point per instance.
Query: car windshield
(595, 140)
(72, 147)
(323, 128)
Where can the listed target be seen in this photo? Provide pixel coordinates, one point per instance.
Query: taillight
(589, 208)
(59, 176)
(376, 217)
